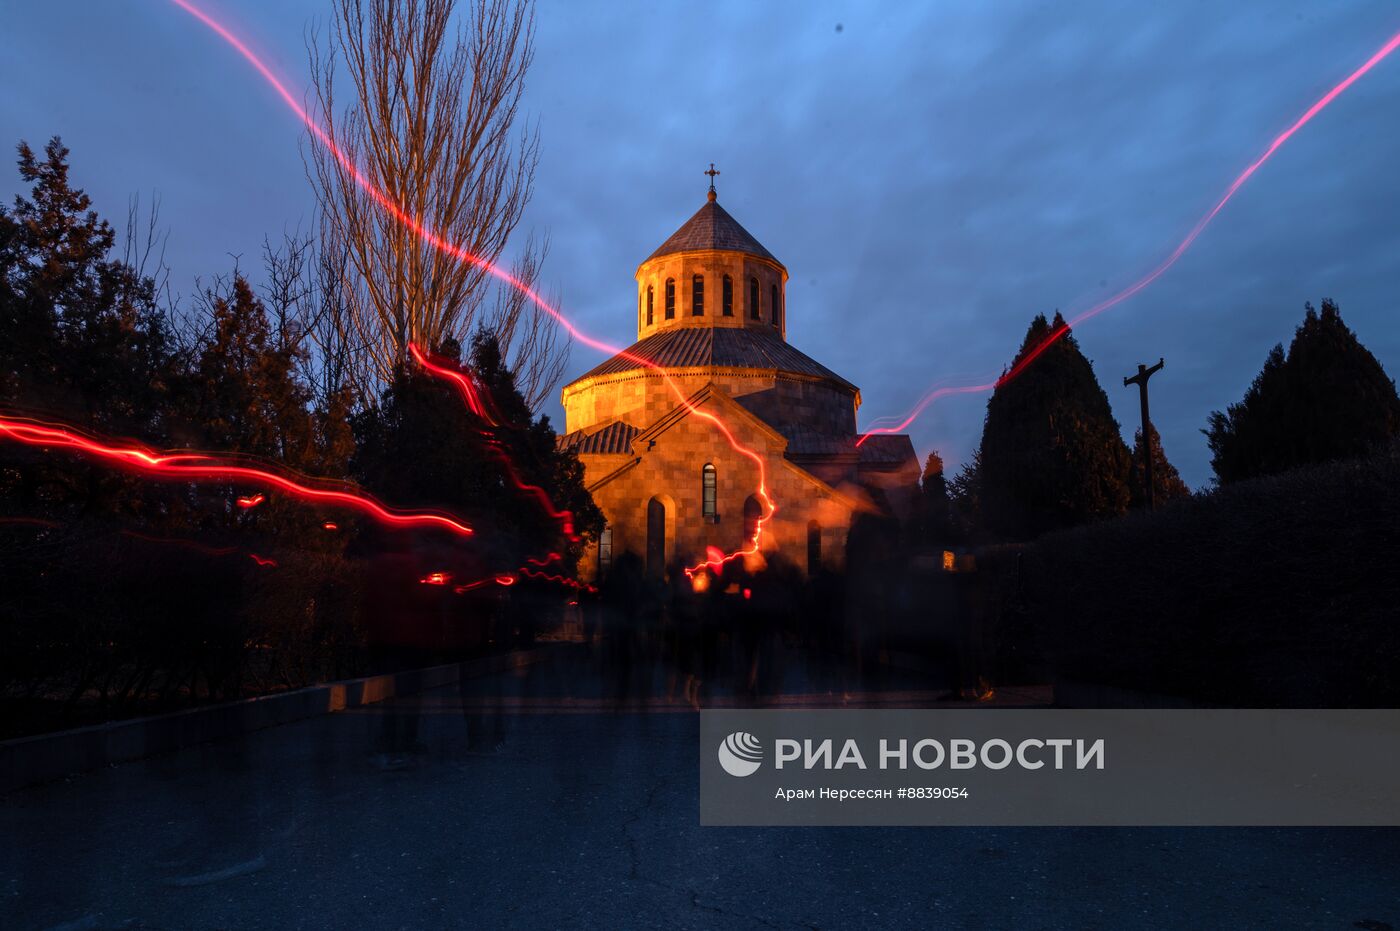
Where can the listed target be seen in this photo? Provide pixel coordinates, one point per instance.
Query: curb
(29, 761)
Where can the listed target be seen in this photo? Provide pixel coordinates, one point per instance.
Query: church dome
(711, 274)
(711, 312)
(712, 228)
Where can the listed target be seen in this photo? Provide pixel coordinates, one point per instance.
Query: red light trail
(769, 508)
(546, 577)
(201, 467)
(472, 396)
(389, 205)
(31, 522)
(1390, 46)
(505, 581)
(263, 561)
(459, 379)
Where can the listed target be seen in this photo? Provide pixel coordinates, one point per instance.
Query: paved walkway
(589, 819)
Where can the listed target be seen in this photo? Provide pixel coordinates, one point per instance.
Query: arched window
(814, 547)
(727, 308)
(753, 299)
(777, 308)
(707, 491)
(697, 296)
(605, 550)
(650, 301)
(752, 512)
(670, 298)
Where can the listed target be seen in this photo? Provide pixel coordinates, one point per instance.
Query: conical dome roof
(712, 228)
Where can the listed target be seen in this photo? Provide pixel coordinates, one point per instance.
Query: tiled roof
(712, 228)
(882, 449)
(616, 437)
(804, 441)
(721, 347)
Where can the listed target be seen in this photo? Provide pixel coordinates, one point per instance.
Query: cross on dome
(712, 172)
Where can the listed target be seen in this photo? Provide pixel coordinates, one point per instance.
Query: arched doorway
(656, 538)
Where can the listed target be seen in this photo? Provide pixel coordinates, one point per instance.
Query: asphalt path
(587, 817)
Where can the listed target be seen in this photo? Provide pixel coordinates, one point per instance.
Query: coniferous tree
(246, 397)
(1051, 452)
(84, 341)
(559, 472)
(937, 515)
(242, 395)
(1166, 481)
(1328, 398)
(965, 495)
(83, 333)
(422, 446)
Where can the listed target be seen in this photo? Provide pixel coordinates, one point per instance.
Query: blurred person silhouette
(483, 620)
(685, 611)
(621, 598)
(407, 607)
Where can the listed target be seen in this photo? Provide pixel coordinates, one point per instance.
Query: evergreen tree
(965, 495)
(1051, 452)
(245, 396)
(557, 471)
(1328, 398)
(1166, 481)
(84, 341)
(84, 336)
(937, 516)
(422, 447)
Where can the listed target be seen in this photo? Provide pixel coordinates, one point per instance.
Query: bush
(1280, 591)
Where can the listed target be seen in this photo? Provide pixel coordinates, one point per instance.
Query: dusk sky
(932, 175)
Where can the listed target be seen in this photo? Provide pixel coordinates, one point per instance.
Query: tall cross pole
(712, 172)
(1140, 379)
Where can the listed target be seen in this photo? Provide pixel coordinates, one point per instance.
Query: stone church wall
(671, 471)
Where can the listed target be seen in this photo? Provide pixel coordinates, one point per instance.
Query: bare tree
(287, 289)
(429, 119)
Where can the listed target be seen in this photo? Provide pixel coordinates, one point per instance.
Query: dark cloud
(932, 175)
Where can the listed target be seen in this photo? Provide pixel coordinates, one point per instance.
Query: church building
(712, 315)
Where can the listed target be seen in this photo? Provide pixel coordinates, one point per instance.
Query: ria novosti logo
(740, 754)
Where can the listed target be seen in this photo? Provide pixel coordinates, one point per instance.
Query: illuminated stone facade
(711, 313)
